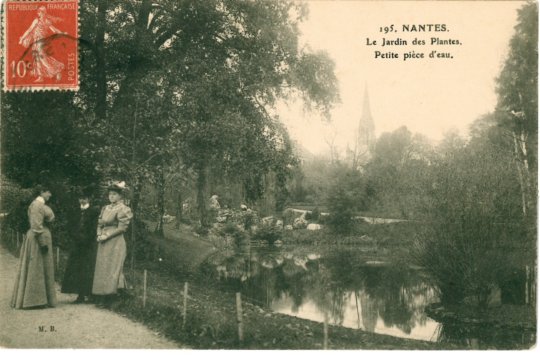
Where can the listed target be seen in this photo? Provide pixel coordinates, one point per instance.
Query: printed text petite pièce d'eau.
(432, 42)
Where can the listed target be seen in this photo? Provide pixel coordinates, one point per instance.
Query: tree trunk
(135, 210)
(527, 193)
(281, 192)
(161, 200)
(178, 207)
(201, 199)
(101, 78)
(521, 177)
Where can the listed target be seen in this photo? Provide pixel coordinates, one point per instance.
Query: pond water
(400, 314)
(350, 289)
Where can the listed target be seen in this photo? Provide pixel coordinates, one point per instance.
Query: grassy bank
(211, 319)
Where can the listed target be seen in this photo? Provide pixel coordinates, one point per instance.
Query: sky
(429, 96)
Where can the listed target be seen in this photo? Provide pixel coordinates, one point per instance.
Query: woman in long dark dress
(34, 283)
(79, 275)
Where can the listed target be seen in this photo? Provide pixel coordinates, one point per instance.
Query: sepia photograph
(268, 174)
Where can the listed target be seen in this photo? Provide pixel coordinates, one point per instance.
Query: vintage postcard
(268, 174)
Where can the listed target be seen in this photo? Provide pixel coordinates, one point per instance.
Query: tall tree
(398, 172)
(518, 103)
(246, 58)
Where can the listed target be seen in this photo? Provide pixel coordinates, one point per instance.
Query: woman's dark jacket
(79, 274)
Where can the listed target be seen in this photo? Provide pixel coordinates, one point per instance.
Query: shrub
(15, 201)
(474, 216)
(288, 216)
(232, 230)
(269, 233)
(249, 218)
(324, 218)
(341, 204)
(462, 268)
(143, 249)
(11, 195)
(201, 230)
(313, 216)
(345, 198)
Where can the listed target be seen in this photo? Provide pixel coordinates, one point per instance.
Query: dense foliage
(172, 92)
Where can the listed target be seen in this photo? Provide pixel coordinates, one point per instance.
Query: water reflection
(348, 290)
(352, 290)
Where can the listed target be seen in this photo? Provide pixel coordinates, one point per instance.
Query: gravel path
(75, 325)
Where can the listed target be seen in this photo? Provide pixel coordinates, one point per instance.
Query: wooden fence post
(239, 317)
(357, 311)
(184, 311)
(527, 278)
(144, 289)
(325, 343)
(533, 287)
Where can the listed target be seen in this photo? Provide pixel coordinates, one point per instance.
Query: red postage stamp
(40, 45)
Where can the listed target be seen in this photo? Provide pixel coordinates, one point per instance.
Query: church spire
(365, 136)
(366, 127)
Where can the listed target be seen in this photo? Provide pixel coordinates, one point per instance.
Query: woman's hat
(86, 191)
(41, 188)
(118, 186)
